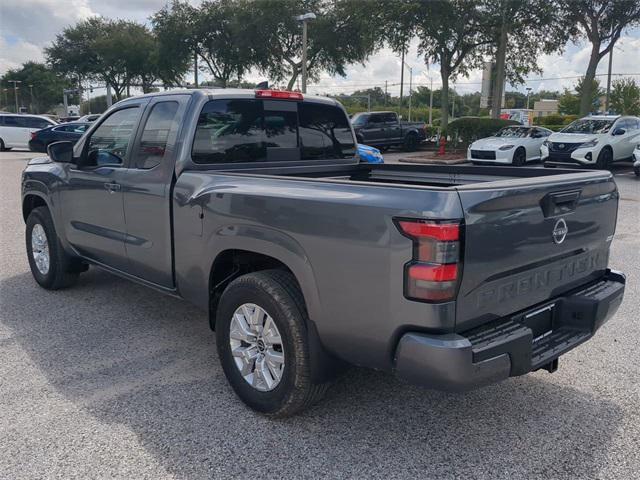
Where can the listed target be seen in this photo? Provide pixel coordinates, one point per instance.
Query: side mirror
(619, 131)
(61, 152)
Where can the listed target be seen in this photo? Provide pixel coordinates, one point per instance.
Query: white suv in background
(596, 140)
(16, 129)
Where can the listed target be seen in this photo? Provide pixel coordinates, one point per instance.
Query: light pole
(528, 92)
(15, 90)
(307, 17)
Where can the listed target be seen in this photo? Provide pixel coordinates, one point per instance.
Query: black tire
(277, 293)
(410, 142)
(519, 157)
(359, 139)
(605, 159)
(63, 269)
(636, 170)
(2, 146)
(384, 148)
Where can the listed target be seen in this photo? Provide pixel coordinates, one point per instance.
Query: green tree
(38, 78)
(601, 22)
(340, 35)
(450, 34)
(520, 31)
(625, 97)
(220, 33)
(569, 103)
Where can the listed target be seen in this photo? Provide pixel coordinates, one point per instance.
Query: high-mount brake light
(279, 94)
(433, 273)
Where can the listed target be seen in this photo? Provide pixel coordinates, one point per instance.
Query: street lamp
(305, 18)
(15, 90)
(528, 92)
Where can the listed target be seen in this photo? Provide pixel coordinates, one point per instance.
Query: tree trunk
(589, 77)
(498, 83)
(292, 80)
(444, 95)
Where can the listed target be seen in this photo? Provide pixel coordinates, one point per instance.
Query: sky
(28, 26)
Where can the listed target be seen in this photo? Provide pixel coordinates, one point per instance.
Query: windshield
(359, 119)
(588, 126)
(513, 132)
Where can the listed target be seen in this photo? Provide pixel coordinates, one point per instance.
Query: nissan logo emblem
(561, 145)
(559, 232)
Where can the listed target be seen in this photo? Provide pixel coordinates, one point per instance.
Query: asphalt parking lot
(112, 380)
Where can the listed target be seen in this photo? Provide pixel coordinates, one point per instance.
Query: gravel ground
(112, 380)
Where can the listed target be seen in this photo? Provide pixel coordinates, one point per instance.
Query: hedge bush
(555, 119)
(470, 129)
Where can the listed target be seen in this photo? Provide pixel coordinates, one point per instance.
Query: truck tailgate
(527, 240)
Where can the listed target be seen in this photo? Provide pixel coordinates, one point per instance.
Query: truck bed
(439, 176)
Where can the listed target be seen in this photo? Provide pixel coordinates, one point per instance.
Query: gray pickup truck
(252, 205)
(384, 129)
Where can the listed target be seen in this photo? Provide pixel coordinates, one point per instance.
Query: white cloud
(14, 55)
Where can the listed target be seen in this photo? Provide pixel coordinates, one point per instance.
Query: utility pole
(306, 18)
(15, 90)
(528, 92)
(195, 69)
(430, 101)
(606, 102)
(410, 92)
(401, 75)
(31, 103)
(385, 93)
(109, 97)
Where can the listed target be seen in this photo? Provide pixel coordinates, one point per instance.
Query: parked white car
(15, 130)
(596, 140)
(515, 145)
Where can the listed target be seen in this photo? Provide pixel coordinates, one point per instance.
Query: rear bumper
(509, 346)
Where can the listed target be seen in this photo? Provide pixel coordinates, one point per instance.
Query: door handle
(112, 187)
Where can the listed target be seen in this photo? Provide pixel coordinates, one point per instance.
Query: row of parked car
(36, 132)
(593, 141)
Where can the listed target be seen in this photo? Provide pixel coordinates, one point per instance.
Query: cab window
(153, 143)
(109, 142)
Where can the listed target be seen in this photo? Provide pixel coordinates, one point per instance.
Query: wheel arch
(232, 263)
(33, 200)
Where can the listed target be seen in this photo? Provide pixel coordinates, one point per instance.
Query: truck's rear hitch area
(516, 345)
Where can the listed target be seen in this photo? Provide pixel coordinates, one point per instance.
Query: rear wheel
(50, 265)
(3, 147)
(636, 170)
(263, 345)
(411, 142)
(519, 157)
(605, 158)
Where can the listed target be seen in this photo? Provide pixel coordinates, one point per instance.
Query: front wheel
(50, 265)
(519, 157)
(636, 170)
(263, 346)
(605, 158)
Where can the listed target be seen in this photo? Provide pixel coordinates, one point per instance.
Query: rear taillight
(33, 135)
(433, 273)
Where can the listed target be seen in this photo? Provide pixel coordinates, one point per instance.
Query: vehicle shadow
(131, 356)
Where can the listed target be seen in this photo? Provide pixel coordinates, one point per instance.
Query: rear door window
(15, 121)
(153, 143)
(229, 131)
(40, 123)
(247, 130)
(324, 132)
